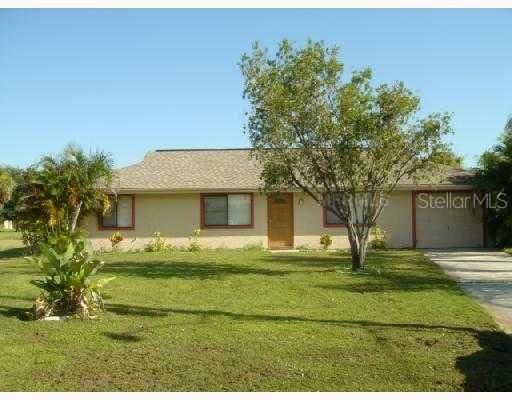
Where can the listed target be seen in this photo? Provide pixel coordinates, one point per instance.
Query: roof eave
(403, 187)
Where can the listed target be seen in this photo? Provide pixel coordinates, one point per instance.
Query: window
(332, 220)
(121, 216)
(226, 210)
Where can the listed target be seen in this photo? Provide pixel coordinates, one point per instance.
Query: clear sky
(129, 81)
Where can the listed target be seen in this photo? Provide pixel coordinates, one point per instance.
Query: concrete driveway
(486, 275)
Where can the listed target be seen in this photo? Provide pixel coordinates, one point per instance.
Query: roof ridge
(205, 149)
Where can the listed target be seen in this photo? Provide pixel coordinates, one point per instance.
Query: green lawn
(252, 320)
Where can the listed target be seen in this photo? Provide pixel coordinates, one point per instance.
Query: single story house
(177, 191)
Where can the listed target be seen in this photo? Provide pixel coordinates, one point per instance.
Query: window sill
(227, 226)
(124, 228)
(335, 226)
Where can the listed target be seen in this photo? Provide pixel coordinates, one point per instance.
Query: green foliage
(345, 142)
(27, 208)
(446, 156)
(194, 241)
(33, 233)
(115, 239)
(379, 239)
(494, 176)
(6, 186)
(9, 178)
(50, 197)
(325, 241)
(69, 286)
(158, 244)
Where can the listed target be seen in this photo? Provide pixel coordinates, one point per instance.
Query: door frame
(415, 193)
(292, 230)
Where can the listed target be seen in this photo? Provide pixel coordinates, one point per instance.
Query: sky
(131, 81)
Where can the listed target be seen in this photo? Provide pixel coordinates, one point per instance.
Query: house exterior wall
(177, 215)
(395, 220)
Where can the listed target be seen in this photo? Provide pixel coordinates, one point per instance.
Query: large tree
(10, 177)
(494, 176)
(6, 186)
(347, 144)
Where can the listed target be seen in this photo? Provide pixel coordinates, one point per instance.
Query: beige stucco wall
(177, 215)
(395, 220)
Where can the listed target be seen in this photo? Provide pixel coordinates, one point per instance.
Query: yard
(252, 320)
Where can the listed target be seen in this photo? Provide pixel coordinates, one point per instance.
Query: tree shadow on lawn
(189, 270)
(13, 252)
(489, 369)
(18, 312)
(123, 337)
(124, 309)
(397, 283)
(392, 260)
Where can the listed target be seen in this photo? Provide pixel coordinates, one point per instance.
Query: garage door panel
(455, 224)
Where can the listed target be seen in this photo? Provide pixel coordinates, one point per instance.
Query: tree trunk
(76, 214)
(358, 246)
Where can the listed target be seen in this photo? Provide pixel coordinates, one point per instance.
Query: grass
(251, 320)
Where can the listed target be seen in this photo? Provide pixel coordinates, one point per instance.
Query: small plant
(379, 239)
(325, 241)
(158, 244)
(115, 239)
(194, 240)
(68, 286)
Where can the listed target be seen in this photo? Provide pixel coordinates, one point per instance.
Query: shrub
(157, 244)
(379, 239)
(32, 235)
(325, 241)
(68, 287)
(194, 241)
(115, 239)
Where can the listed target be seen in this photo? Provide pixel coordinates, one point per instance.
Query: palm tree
(72, 183)
(88, 176)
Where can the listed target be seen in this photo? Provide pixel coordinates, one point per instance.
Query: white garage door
(448, 219)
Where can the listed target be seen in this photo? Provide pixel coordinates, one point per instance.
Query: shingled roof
(221, 170)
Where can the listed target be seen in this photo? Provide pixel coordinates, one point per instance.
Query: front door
(280, 221)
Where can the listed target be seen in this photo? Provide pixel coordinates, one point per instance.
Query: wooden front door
(280, 221)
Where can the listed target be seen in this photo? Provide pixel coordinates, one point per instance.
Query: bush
(158, 244)
(194, 241)
(325, 241)
(379, 240)
(115, 239)
(32, 235)
(68, 287)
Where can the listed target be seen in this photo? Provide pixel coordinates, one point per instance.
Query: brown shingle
(220, 169)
